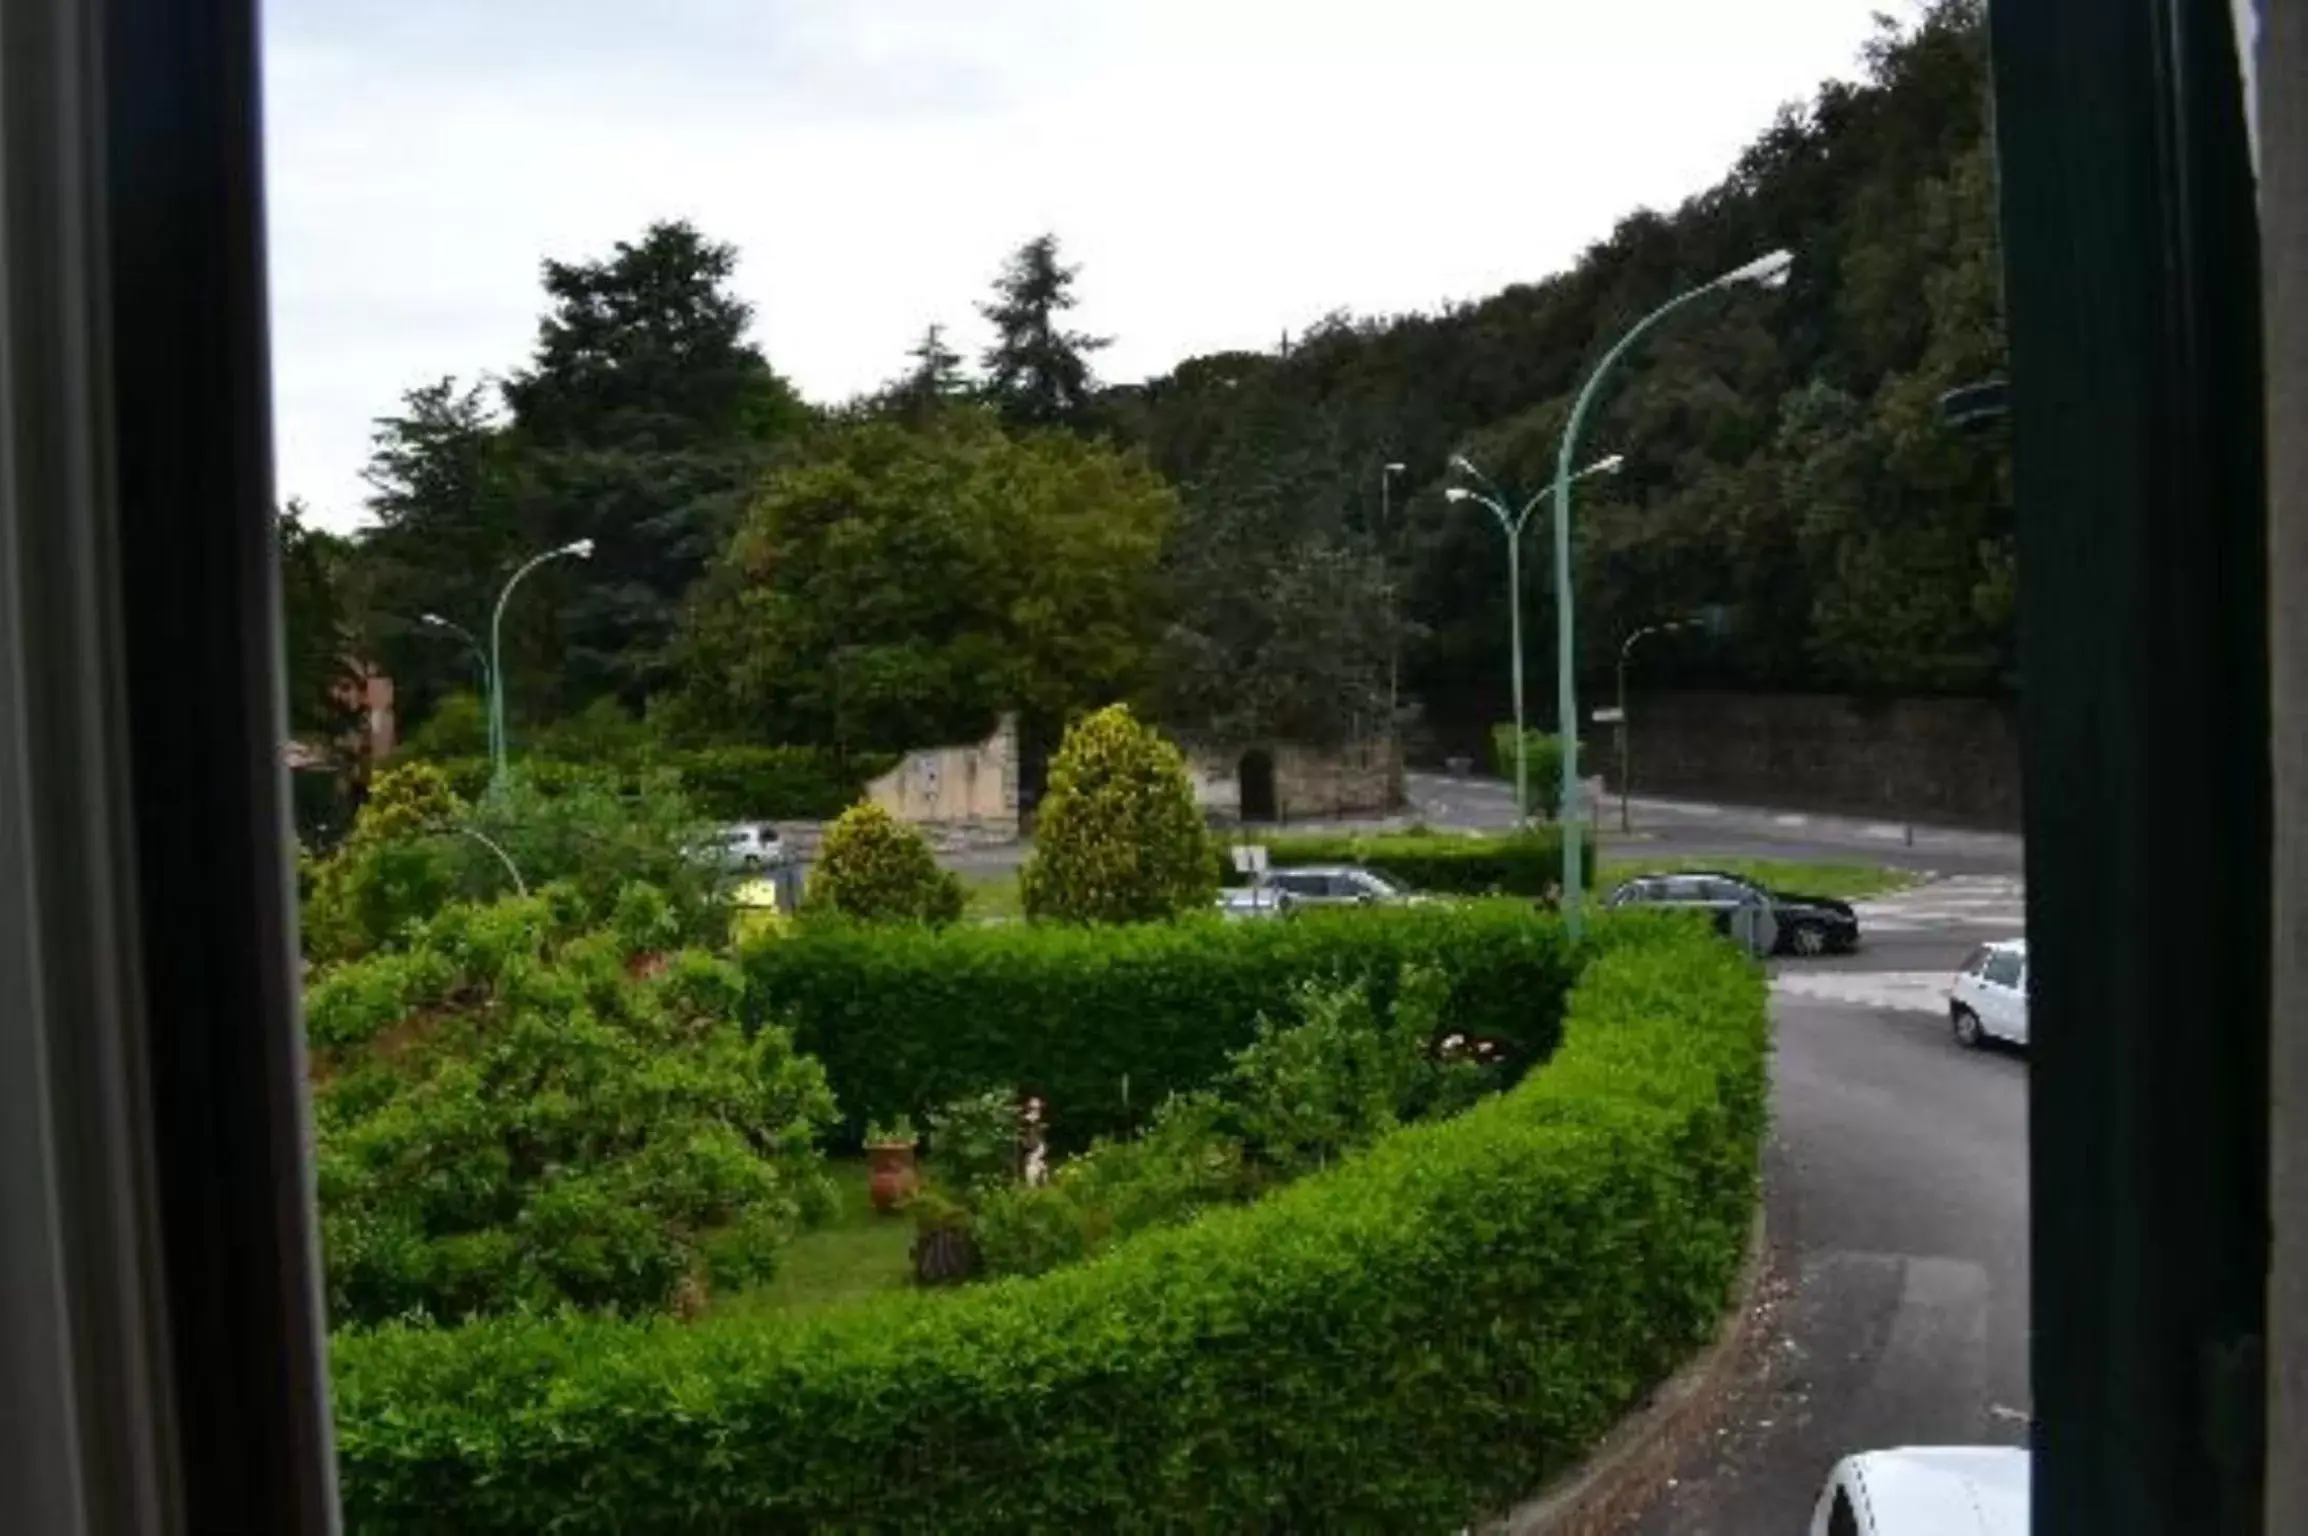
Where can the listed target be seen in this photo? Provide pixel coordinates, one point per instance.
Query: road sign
(1609, 715)
(1250, 858)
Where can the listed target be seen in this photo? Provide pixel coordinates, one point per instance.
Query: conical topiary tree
(1118, 838)
(874, 867)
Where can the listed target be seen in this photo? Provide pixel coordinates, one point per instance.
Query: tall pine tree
(641, 423)
(934, 379)
(1037, 371)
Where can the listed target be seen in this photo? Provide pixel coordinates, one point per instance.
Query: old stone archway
(1254, 779)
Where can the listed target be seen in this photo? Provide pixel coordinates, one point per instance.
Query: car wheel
(1808, 939)
(1968, 1033)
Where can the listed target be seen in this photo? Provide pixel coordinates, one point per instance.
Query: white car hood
(1947, 1491)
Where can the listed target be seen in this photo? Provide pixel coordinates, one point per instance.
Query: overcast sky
(1223, 170)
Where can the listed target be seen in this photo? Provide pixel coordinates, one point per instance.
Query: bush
(512, 1114)
(976, 1141)
(1406, 1341)
(1528, 863)
(1118, 837)
(1543, 755)
(1095, 1021)
(774, 783)
(395, 867)
(876, 869)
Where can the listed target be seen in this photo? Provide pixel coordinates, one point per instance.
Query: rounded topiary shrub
(876, 868)
(1118, 837)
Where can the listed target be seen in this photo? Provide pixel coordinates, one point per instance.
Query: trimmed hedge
(907, 1018)
(1520, 864)
(1405, 1341)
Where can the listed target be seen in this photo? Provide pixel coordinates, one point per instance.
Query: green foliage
(1543, 766)
(414, 848)
(1407, 1341)
(514, 1115)
(317, 642)
(1037, 371)
(877, 869)
(1118, 837)
(458, 728)
(894, 587)
(747, 783)
(975, 1141)
(1104, 1023)
(1523, 864)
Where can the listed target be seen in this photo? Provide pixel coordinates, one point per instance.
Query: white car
(746, 847)
(1950, 1490)
(1990, 998)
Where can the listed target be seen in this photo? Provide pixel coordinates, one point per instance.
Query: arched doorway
(1254, 780)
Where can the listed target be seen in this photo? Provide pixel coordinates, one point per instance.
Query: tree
(934, 380)
(1038, 372)
(317, 633)
(1118, 838)
(893, 587)
(876, 869)
(640, 423)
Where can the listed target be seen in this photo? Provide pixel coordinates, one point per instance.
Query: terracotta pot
(894, 1180)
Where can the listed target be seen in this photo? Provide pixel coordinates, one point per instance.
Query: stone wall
(969, 789)
(1935, 760)
(1360, 778)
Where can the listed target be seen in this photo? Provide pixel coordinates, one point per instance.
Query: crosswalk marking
(1959, 901)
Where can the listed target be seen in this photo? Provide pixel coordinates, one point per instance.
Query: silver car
(1254, 903)
(746, 847)
(1337, 885)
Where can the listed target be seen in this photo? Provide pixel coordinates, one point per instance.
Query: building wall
(972, 787)
(1360, 778)
(1944, 760)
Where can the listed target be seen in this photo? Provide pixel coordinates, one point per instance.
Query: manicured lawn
(991, 894)
(856, 1253)
(1847, 881)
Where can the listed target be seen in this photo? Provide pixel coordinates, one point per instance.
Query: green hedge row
(724, 783)
(1523, 864)
(1407, 1341)
(1103, 1022)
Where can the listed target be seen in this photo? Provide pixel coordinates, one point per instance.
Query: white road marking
(1896, 991)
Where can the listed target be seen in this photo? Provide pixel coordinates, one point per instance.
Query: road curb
(1603, 1493)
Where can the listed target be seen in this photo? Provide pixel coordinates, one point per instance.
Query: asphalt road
(1896, 1198)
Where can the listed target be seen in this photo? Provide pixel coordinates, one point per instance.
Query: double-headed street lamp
(481, 659)
(1511, 524)
(498, 747)
(1764, 272)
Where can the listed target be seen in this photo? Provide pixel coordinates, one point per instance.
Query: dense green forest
(1210, 543)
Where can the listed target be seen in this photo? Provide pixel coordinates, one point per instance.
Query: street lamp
(1511, 524)
(583, 550)
(1626, 649)
(481, 658)
(1764, 272)
(1386, 474)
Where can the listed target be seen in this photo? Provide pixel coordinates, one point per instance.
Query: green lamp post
(1764, 272)
(498, 746)
(1511, 524)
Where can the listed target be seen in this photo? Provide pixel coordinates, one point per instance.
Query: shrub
(738, 783)
(975, 1140)
(513, 1115)
(457, 727)
(393, 868)
(1527, 863)
(877, 869)
(1543, 755)
(1406, 1341)
(1096, 1020)
(1118, 837)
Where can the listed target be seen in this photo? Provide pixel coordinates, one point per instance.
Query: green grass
(991, 895)
(858, 1252)
(1847, 881)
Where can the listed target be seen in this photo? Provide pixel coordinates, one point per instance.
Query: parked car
(1952, 1490)
(1249, 902)
(1989, 1000)
(1801, 925)
(745, 847)
(1338, 885)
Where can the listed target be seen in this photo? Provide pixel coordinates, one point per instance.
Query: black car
(1805, 925)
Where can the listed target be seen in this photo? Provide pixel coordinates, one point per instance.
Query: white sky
(1223, 170)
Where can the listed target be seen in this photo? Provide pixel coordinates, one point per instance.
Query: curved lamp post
(1511, 524)
(1764, 272)
(1386, 474)
(1627, 649)
(498, 746)
(481, 658)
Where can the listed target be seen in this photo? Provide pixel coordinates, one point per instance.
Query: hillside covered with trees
(1209, 543)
